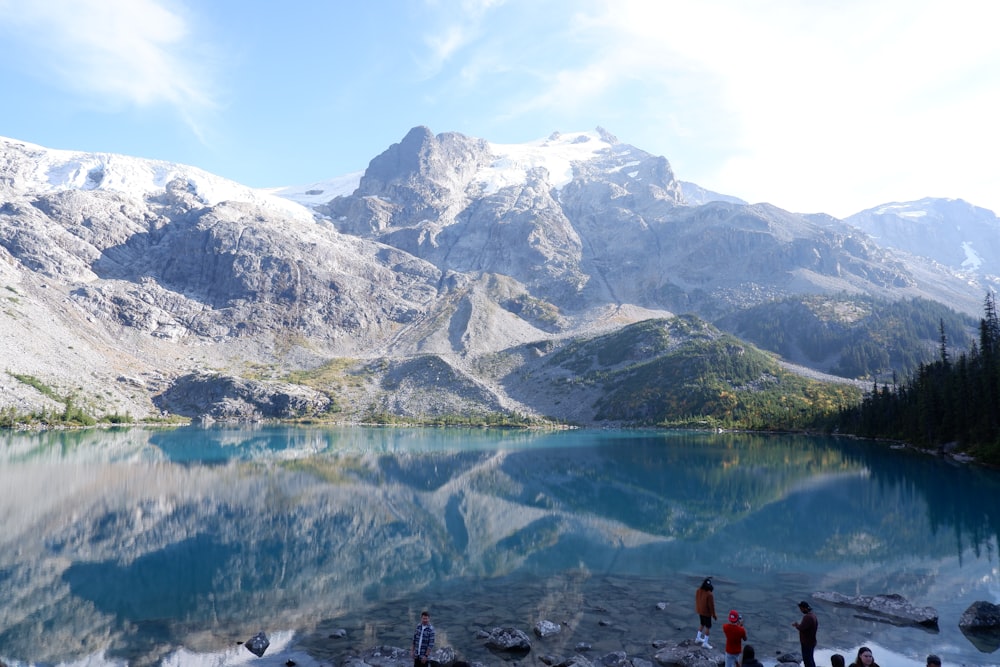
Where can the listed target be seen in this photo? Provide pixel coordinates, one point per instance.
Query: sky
(812, 106)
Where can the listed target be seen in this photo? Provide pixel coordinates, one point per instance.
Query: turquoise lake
(168, 547)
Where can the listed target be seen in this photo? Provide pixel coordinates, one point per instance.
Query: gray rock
(981, 616)
(546, 628)
(689, 654)
(576, 660)
(258, 644)
(224, 398)
(892, 608)
(383, 656)
(614, 659)
(508, 639)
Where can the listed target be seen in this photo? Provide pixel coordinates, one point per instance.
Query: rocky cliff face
(961, 236)
(120, 276)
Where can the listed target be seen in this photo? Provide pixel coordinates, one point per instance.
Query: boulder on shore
(508, 639)
(689, 653)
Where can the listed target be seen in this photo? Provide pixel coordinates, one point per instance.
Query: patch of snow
(890, 208)
(912, 214)
(972, 259)
(633, 174)
(33, 168)
(555, 154)
(320, 192)
(633, 163)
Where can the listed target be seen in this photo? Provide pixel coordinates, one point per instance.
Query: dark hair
(837, 660)
(933, 660)
(863, 649)
(749, 653)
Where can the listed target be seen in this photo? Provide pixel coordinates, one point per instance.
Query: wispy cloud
(115, 52)
(453, 29)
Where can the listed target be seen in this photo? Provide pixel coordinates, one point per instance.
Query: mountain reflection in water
(135, 544)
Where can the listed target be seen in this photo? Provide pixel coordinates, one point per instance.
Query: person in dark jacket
(423, 641)
(750, 657)
(807, 628)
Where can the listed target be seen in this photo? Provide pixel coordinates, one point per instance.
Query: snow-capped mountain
(125, 275)
(950, 231)
(27, 167)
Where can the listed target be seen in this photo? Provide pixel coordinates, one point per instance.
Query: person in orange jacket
(704, 604)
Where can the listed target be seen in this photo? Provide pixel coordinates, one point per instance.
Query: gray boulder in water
(892, 608)
(508, 639)
(258, 644)
(981, 616)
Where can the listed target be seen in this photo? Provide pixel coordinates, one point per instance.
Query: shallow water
(166, 547)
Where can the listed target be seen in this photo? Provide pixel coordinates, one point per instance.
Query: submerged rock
(545, 628)
(892, 608)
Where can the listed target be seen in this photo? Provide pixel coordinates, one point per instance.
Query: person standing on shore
(704, 604)
(736, 634)
(423, 641)
(807, 628)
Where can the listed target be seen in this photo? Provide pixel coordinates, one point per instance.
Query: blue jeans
(732, 659)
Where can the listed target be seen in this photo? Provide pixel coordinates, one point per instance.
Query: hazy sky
(811, 106)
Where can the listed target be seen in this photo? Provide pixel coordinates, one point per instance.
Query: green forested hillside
(851, 335)
(953, 400)
(685, 371)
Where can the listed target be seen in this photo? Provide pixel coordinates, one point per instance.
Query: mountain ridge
(122, 276)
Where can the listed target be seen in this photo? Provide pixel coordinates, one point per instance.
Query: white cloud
(113, 52)
(812, 106)
(453, 30)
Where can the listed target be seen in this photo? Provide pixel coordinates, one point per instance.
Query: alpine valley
(572, 278)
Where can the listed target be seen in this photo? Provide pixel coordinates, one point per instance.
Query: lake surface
(145, 547)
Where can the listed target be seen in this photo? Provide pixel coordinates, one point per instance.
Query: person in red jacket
(704, 604)
(736, 634)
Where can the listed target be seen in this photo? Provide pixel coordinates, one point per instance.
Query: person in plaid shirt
(423, 641)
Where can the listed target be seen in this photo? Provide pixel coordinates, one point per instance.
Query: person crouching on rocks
(736, 634)
(704, 604)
